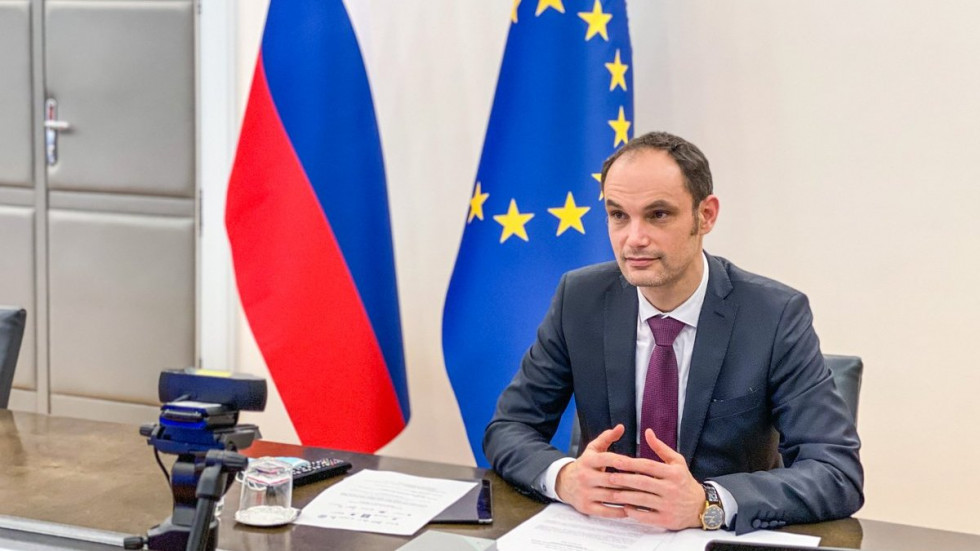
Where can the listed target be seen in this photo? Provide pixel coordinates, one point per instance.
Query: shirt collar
(689, 311)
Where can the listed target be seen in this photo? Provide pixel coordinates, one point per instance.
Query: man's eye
(617, 215)
(659, 214)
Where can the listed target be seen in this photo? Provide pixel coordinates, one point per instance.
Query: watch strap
(711, 494)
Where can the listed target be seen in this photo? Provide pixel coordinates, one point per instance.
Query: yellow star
(618, 72)
(597, 21)
(598, 178)
(513, 11)
(621, 126)
(513, 222)
(476, 204)
(545, 4)
(570, 215)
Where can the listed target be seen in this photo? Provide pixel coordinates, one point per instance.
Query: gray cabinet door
(111, 223)
(123, 76)
(17, 182)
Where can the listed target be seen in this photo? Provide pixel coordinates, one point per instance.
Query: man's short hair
(693, 163)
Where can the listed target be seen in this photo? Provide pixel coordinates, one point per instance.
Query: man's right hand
(584, 483)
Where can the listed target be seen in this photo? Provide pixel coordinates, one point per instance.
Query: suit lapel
(619, 343)
(710, 346)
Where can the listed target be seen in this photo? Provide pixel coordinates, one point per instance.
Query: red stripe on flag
(298, 295)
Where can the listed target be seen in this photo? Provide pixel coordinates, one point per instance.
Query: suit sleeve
(517, 440)
(821, 477)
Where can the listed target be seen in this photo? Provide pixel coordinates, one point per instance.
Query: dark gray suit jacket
(758, 396)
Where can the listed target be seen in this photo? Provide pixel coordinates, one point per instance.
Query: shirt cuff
(547, 480)
(728, 503)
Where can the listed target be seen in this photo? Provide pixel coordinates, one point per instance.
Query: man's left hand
(663, 494)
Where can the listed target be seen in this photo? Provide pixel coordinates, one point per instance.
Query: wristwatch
(713, 516)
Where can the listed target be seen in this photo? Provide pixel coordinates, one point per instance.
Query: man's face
(655, 231)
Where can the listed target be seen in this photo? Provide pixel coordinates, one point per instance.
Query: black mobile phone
(716, 545)
(476, 507)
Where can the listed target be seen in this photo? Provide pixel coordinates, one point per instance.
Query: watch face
(713, 517)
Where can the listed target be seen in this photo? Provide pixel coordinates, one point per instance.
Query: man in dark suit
(751, 432)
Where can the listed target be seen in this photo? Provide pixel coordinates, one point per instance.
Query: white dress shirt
(688, 313)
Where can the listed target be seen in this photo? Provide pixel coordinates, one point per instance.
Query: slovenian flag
(563, 104)
(307, 217)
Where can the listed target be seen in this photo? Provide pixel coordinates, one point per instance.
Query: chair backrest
(12, 322)
(846, 371)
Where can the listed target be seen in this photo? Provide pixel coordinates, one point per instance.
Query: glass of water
(267, 493)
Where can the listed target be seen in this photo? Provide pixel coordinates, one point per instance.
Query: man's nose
(637, 235)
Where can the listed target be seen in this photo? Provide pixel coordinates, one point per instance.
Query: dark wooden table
(103, 476)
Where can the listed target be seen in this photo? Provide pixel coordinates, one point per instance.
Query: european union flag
(563, 104)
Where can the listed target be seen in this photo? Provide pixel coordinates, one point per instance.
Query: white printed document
(383, 502)
(559, 527)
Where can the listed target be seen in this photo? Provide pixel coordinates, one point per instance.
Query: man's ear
(708, 214)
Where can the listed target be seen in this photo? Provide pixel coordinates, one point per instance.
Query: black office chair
(846, 371)
(12, 322)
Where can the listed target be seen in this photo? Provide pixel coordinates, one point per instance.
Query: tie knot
(665, 330)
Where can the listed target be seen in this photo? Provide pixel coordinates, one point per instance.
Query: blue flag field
(564, 102)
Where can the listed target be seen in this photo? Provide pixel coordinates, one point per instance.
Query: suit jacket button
(756, 523)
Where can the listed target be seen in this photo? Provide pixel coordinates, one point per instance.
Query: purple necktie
(660, 391)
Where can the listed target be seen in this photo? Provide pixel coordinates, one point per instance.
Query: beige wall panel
(22, 400)
(15, 94)
(123, 76)
(102, 410)
(17, 287)
(121, 303)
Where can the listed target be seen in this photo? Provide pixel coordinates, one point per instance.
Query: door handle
(57, 125)
(51, 128)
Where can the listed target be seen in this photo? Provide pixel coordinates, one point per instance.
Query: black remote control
(319, 470)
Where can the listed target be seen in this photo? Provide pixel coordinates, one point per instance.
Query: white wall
(841, 136)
